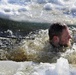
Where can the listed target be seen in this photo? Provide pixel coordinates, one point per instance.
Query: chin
(67, 45)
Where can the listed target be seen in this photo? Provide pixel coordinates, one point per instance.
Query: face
(65, 37)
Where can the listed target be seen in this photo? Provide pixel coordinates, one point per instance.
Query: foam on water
(37, 10)
(36, 47)
(30, 68)
(62, 67)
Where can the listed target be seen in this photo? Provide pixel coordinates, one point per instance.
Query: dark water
(20, 28)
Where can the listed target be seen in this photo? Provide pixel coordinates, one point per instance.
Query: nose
(70, 37)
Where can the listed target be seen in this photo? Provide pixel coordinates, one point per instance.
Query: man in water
(59, 36)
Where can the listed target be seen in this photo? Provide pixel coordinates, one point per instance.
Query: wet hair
(56, 30)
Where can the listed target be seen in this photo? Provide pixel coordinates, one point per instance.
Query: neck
(55, 44)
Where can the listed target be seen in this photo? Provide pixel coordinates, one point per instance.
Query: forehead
(65, 31)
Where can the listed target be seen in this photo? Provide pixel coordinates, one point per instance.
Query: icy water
(24, 45)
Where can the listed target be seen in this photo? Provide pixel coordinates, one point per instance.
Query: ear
(56, 39)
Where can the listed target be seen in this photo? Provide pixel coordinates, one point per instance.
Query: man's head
(59, 34)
